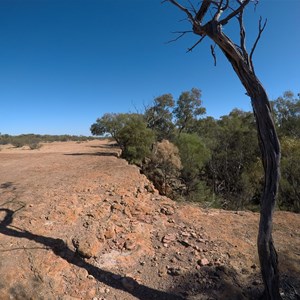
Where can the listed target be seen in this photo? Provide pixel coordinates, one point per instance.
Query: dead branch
(213, 53)
(181, 34)
(234, 13)
(193, 7)
(261, 28)
(197, 43)
(243, 38)
(190, 16)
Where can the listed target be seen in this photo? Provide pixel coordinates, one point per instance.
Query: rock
(110, 232)
(87, 246)
(129, 245)
(149, 188)
(203, 262)
(186, 234)
(167, 210)
(116, 206)
(175, 271)
(193, 235)
(169, 238)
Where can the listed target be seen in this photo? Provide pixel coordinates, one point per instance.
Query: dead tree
(208, 20)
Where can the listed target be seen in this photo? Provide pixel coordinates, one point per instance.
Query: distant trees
(287, 114)
(33, 141)
(159, 117)
(188, 109)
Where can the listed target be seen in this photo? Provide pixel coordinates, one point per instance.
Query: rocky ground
(77, 222)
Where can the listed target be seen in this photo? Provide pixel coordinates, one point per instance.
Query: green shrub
(34, 145)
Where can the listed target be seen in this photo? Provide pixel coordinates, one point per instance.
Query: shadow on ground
(6, 185)
(107, 146)
(94, 154)
(209, 282)
(59, 248)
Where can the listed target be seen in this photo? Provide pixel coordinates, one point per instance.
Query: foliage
(289, 187)
(234, 154)
(287, 115)
(194, 155)
(130, 132)
(135, 139)
(111, 124)
(159, 117)
(164, 166)
(213, 161)
(188, 109)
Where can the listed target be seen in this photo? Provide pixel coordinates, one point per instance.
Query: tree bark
(270, 151)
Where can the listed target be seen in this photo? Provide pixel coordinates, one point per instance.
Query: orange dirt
(77, 222)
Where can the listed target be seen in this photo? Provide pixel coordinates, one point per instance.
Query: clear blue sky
(63, 63)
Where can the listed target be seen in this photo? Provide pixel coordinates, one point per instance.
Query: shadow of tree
(290, 274)
(107, 146)
(219, 282)
(94, 154)
(59, 247)
(6, 185)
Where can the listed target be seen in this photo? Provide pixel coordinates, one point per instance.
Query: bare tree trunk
(270, 156)
(242, 64)
(270, 151)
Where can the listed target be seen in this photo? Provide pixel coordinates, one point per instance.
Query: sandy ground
(77, 222)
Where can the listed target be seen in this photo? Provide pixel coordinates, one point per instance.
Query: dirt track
(79, 223)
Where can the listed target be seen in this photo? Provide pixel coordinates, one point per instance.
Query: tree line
(33, 141)
(193, 157)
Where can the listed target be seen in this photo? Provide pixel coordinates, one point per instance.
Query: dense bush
(131, 133)
(163, 168)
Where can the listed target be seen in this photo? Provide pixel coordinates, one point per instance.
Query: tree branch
(213, 53)
(243, 38)
(203, 10)
(181, 34)
(219, 11)
(234, 13)
(184, 9)
(261, 28)
(193, 7)
(198, 42)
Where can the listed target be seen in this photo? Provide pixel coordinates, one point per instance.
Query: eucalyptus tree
(208, 19)
(159, 117)
(188, 109)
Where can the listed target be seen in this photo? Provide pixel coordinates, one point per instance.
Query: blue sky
(63, 63)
